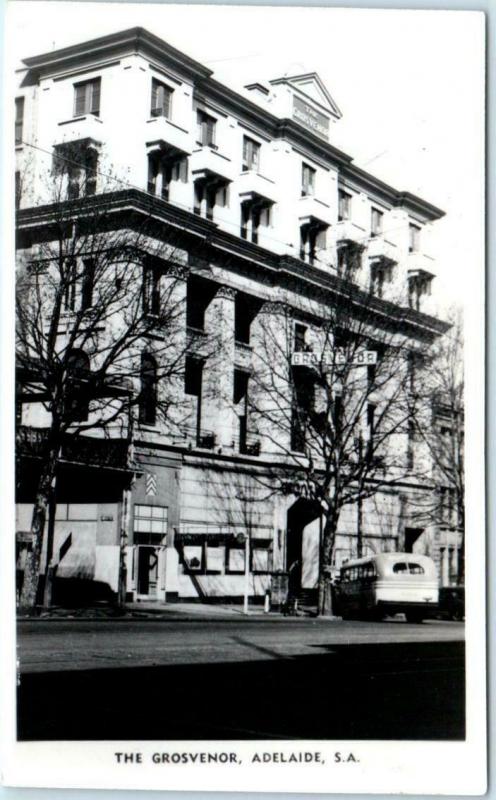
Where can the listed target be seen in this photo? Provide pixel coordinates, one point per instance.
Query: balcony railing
(381, 248)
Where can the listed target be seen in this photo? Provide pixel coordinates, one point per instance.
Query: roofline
(132, 40)
(122, 39)
(336, 111)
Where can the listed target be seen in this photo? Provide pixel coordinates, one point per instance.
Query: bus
(387, 584)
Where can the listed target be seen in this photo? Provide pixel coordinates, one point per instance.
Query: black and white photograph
(244, 520)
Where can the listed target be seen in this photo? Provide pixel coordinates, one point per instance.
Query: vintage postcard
(243, 545)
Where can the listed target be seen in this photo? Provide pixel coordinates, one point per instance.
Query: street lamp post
(242, 537)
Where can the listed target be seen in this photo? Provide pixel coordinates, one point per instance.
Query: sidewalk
(170, 611)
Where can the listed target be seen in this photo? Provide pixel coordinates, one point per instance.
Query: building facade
(258, 208)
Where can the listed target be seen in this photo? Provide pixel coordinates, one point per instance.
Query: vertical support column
(271, 389)
(218, 374)
(173, 307)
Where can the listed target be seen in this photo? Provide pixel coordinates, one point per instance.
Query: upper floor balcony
(209, 165)
(348, 231)
(257, 188)
(417, 261)
(312, 211)
(161, 132)
(80, 129)
(381, 249)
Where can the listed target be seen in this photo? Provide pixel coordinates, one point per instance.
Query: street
(240, 678)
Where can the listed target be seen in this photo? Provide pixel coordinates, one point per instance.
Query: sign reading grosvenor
(310, 117)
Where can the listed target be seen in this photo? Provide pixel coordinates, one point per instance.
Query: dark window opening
(205, 199)
(419, 286)
(151, 290)
(19, 119)
(78, 162)
(371, 413)
(199, 294)
(251, 154)
(376, 218)
(302, 406)
(161, 99)
(300, 332)
(76, 395)
(69, 282)
(240, 399)
(163, 169)
(148, 393)
(193, 377)
(413, 238)
(307, 180)
(380, 275)
(88, 281)
(344, 205)
(349, 260)
(205, 129)
(18, 189)
(87, 97)
(245, 310)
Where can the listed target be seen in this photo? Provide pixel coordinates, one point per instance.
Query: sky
(410, 85)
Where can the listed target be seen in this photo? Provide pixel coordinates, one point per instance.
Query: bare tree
(101, 327)
(333, 394)
(440, 425)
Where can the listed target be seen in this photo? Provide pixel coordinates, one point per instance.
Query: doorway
(301, 514)
(147, 572)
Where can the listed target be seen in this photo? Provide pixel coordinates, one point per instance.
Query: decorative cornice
(279, 268)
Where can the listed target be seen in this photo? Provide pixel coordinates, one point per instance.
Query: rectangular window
(240, 402)
(70, 284)
(261, 558)
(376, 218)
(19, 119)
(307, 180)
(299, 337)
(413, 238)
(205, 129)
(344, 205)
(193, 556)
(251, 154)
(161, 99)
(87, 98)
(87, 283)
(18, 189)
(215, 558)
(151, 291)
(235, 560)
(150, 524)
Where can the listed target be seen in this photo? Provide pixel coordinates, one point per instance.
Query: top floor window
(19, 119)
(251, 154)
(205, 129)
(87, 98)
(161, 99)
(376, 222)
(307, 180)
(344, 205)
(413, 238)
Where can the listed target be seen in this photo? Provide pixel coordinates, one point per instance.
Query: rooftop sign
(310, 118)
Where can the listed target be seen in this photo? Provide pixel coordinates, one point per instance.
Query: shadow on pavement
(371, 691)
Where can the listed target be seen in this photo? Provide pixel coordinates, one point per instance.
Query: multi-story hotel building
(259, 205)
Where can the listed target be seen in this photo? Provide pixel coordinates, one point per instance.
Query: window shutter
(94, 88)
(79, 100)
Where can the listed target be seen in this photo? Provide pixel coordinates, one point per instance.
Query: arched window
(77, 395)
(148, 393)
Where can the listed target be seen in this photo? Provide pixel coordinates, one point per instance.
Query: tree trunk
(461, 555)
(325, 605)
(33, 560)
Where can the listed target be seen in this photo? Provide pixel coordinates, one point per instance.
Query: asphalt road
(240, 679)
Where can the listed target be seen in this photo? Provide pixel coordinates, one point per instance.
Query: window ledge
(80, 119)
